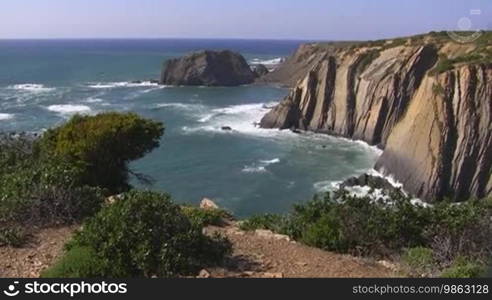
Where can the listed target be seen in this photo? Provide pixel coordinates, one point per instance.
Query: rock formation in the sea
(260, 70)
(374, 182)
(208, 68)
(435, 125)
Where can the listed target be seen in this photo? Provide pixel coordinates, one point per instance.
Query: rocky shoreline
(434, 127)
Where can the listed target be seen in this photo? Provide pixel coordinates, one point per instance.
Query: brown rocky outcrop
(208, 68)
(260, 70)
(442, 147)
(435, 128)
(296, 66)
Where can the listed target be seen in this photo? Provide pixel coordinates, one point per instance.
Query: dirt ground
(42, 249)
(263, 254)
(260, 254)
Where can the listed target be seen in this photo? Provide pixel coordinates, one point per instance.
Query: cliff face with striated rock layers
(434, 123)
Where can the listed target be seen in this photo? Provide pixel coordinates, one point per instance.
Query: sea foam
(243, 119)
(5, 116)
(260, 166)
(274, 61)
(31, 87)
(67, 109)
(123, 84)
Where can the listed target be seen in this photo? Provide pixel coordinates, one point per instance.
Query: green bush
(444, 64)
(103, 145)
(144, 234)
(463, 229)
(420, 260)
(62, 176)
(364, 226)
(267, 221)
(464, 268)
(78, 262)
(46, 193)
(12, 236)
(41, 191)
(205, 217)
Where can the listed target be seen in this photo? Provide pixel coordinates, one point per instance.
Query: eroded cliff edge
(434, 125)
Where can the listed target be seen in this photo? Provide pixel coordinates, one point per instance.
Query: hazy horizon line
(225, 38)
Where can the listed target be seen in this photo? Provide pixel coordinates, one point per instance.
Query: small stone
(388, 265)
(264, 233)
(273, 275)
(271, 235)
(281, 237)
(208, 204)
(204, 274)
(112, 199)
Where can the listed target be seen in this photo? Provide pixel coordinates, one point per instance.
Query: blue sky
(279, 19)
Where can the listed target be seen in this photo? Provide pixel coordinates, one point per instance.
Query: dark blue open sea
(248, 170)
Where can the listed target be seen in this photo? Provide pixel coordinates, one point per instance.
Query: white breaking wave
(177, 105)
(260, 166)
(123, 84)
(365, 145)
(363, 191)
(68, 109)
(274, 61)
(253, 169)
(4, 116)
(366, 191)
(326, 186)
(389, 178)
(331, 185)
(94, 100)
(270, 162)
(397, 184)
(31, 87)
(243, 118)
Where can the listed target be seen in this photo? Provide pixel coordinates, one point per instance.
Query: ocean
(247, 170)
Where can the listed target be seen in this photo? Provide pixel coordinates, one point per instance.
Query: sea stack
(208, 68)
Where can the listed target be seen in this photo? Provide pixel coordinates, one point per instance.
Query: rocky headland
(426, 100)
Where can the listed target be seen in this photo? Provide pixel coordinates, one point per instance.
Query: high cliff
(426, 101)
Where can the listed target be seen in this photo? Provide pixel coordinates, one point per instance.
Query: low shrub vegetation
(143, 234)
(205, 217)
(419, 261)
(381, 228)
(12, 236)
(464, 267)
(78, 262)
(101, 146)
(62, 176)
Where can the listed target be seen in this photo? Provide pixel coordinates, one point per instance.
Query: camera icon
(11, 290)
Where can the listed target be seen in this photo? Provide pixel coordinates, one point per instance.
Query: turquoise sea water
(248, 170)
